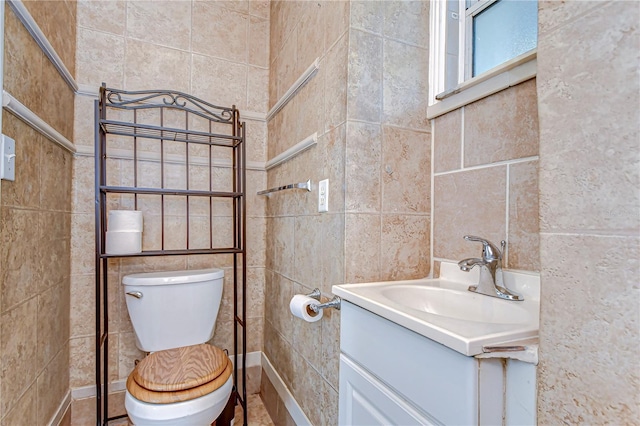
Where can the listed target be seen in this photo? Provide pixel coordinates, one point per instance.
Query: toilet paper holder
(333, 303)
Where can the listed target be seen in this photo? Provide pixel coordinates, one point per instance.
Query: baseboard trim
(61, 411)
(294, 409)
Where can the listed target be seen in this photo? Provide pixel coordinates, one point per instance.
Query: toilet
(184, 380)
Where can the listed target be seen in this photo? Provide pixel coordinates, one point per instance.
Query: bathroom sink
(461, 305)
(443, 310)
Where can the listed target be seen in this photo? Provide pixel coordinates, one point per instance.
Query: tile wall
(588, 88)
(136, 45)
(373, 146)
(35, 223)
(485, 178)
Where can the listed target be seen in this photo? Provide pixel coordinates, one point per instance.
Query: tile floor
(258, 415)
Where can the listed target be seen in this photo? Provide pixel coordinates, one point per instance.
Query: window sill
(511, 73)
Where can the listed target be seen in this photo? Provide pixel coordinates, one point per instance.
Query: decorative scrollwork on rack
(147, 99)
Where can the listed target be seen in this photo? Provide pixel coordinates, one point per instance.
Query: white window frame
(469, 89)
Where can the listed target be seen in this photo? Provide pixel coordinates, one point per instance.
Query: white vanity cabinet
(390, 375)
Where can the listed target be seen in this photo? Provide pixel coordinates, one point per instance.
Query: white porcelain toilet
(184, 381)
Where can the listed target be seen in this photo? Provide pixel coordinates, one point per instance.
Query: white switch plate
(8, 163)
(323, 196)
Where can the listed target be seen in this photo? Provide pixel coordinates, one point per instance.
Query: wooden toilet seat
(179, 374)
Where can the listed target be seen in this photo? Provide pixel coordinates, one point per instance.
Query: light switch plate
(8, 163)
(323, 196)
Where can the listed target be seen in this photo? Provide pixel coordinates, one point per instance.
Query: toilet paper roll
(300, 307)
(123, 242)
(124, 220)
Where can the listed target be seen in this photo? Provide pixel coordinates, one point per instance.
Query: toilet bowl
(200, 411)
(187, 385)
(183, 381)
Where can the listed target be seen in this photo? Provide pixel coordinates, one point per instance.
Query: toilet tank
(173, 309)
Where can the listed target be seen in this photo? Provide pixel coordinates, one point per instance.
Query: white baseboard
(294, 409)
(60, 412)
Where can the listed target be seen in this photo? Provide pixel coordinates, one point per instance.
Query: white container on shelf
(123, 242)
(124, 220)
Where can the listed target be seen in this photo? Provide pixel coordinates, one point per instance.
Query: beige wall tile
(502, 127)
(20, 256)
(226, 84)
(18, 346)
(25, 190)
(54, 19)
(307, 244)
(53, 384)
(552, 13)
(590, 163)
(94, 49)
(335, 87)
(128, 354)
(107, 16)
(55, 252)
(83, 128)
(166, 23)
(523, 249)
(362, 242)
(22, 66)
(331, 147)
(148, 66)
(588, 329)
(53, 325)
(405, 85)
(330, 361)
(364, 91)
(461, 209)
(447, 142)
(407, 21)
(405, 170)
(329, 404)
(404, 251)
(362, 169)
(311, 100)
(336, 21)
(368, 15)
(82, 243)
(258, 79)
(220, 31)
(260, 8)
(55, 177)
(25, 410)
(280, 291)
(281, 241)
(333, 269)
(309, 37)
(279, 352)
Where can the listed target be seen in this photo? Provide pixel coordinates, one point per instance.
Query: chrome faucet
(491, 282)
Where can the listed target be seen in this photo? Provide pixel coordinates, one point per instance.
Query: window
(471, 38)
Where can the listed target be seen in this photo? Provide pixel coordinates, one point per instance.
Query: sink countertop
(468, 322)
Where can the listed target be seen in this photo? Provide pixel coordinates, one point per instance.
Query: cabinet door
(364, 401)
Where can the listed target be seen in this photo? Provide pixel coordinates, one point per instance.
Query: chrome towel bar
(302, 185)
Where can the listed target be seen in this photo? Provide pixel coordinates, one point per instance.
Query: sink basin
(462, 305)
(443, 310)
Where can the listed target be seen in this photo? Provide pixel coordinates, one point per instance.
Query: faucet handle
(489, 251)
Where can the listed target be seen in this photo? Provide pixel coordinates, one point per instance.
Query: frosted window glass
(502, 31)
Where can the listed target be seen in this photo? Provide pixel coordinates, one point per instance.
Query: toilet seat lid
(180, 368)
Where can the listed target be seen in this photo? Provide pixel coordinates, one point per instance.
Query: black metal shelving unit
(169, 130)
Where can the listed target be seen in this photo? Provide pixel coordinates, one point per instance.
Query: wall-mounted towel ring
(302, 185)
